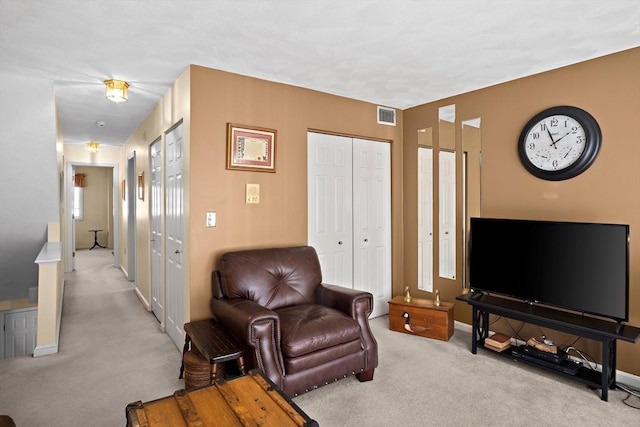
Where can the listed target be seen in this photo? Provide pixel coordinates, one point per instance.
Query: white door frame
(68, 202)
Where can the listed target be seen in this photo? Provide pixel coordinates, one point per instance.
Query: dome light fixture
(117, 90)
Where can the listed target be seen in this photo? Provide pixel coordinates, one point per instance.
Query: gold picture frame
(141, 185)
(251, 148)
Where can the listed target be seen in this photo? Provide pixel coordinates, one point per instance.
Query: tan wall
(281, 217)
(608, 88)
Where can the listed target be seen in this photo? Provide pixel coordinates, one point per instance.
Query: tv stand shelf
(606, 332)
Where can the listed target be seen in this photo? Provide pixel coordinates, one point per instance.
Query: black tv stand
(606, 332)
(619, 327)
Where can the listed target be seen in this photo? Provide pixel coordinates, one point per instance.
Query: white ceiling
(392, 53)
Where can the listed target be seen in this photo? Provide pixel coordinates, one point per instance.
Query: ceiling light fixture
(93, 147)
(117, 90)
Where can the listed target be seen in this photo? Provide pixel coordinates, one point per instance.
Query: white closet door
(372, 221)
(330, 206)
(447, 198)
(174, 236)
(157, 234)
(425, 219)
(349, 209)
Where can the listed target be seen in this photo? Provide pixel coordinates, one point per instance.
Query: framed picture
(251, 148)
(141, 185)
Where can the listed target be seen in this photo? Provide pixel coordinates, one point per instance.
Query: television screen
(578, 266)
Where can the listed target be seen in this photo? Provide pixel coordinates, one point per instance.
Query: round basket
(197, 371)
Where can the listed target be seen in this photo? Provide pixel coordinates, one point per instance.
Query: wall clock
(559, 143)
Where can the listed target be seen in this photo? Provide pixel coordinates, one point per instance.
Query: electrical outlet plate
(211, 219)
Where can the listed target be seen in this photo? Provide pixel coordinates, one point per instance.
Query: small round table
(95, 239)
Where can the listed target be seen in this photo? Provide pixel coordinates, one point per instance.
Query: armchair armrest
(358, 305)
(257, 328)
(350, 301)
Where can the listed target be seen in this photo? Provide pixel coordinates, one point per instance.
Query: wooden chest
(250, 400)
(421, 317)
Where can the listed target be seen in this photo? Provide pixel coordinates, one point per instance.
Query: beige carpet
(112, 353)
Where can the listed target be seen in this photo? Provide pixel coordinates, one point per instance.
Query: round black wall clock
(559, 143)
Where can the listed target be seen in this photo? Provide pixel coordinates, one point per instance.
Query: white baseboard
(44, 350)
(621, 376)
(142, 299)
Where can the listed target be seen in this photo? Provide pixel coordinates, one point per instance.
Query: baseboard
(142, 299)
(44, 350)
(621, 376)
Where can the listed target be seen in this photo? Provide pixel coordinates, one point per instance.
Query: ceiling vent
(386, 116)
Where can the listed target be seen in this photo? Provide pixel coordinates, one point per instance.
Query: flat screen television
(582, 267)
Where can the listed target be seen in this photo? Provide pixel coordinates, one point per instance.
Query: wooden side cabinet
(421, 317)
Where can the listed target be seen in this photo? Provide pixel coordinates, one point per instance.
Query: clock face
(559, 143)
(555, 142)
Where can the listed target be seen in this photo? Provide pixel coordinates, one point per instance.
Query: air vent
(386, 116)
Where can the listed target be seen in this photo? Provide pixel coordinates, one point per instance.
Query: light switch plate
(211, 219)
(252, 194)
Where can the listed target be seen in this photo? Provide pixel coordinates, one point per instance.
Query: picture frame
(141, 185)
(251, 148)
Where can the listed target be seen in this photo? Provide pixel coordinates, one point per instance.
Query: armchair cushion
(310, 327)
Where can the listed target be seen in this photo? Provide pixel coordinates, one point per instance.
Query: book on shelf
(498, 340)
(498, 349)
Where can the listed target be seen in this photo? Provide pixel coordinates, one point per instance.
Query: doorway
(110, 193)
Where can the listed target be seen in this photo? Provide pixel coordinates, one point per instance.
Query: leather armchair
(302, 333)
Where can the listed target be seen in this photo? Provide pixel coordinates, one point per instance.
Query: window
(78, 203)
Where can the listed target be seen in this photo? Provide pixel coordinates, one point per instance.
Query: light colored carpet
(112, 353)
(426, 382)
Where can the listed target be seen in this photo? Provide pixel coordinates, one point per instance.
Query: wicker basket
(198, 371)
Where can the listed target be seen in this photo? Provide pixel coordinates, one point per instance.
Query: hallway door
(174, 238)
(157, 234)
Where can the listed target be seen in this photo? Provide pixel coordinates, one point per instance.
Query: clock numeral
(579, 139)
(574, 129)
(535, 135)
(554, 121)
(531, 146)
(555, 163)
(543, 127)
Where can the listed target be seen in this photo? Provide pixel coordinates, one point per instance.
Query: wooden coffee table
(214, 343)
(250, 400)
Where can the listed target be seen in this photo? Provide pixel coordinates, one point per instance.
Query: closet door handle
(366, 240)
(339, 242)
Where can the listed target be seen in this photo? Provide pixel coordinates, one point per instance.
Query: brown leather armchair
(302, 333)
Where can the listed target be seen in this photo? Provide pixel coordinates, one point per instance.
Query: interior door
(349, 213)
(157, 234)
(131, 217)
(330, 205)
(372, 221)
(174, 238)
